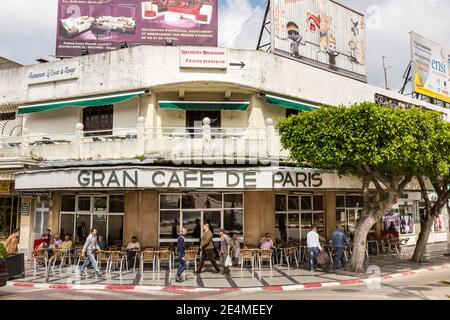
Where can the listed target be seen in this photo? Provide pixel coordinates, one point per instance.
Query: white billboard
(430, 68)
(322, 33)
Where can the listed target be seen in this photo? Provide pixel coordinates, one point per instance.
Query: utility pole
(385, 72)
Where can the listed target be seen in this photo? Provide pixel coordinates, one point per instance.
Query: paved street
(422, 286)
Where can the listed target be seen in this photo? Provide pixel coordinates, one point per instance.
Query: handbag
(323, 258)
(228, 261)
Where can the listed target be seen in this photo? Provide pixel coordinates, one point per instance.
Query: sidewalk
(281, 278)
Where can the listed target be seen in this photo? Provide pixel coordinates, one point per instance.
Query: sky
(33, 33)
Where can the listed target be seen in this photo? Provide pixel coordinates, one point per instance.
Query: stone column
(330, 213)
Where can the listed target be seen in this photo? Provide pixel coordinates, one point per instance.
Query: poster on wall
(321, 33)
(104, 25)
(430, 68)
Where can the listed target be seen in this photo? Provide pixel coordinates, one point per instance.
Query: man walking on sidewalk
(314, 247)
(89, 249)
(339, 241)
(207, 247)
(181, 255)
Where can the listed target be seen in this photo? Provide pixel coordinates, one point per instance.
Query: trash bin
(16, 266)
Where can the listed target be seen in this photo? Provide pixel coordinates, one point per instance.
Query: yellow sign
(5, 186)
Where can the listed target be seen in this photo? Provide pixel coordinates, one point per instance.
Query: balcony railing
(180, 145)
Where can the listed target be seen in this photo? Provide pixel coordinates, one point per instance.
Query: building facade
(139, 142)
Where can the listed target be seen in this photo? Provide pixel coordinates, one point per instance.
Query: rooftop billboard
(321, 33)
(430, 68)
(103, 25)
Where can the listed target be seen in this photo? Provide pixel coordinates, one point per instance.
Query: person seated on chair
(57, 241)
(47, 235)
(67, 243)
(102, 243)
(266, 242)
(133, 248)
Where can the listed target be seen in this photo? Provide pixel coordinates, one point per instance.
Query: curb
(184, 290)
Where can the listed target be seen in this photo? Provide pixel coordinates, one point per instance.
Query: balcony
(183, 146)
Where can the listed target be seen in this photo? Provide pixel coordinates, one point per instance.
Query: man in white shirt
(314, 247)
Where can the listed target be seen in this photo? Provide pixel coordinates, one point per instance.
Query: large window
(80, 213)
(348, 210)
(9, 220)
(98, 120)
(191, 211)
(295, 215)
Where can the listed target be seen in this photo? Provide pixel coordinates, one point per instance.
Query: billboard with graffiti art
(322, 33)
(103, 25)
(430, 68)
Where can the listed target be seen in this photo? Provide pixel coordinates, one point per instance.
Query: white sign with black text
(53, 72)
(204, 58)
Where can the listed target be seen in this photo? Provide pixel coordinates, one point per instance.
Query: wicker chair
(291, 253)
(265, 255)
(247, 256)
(191, 255)
(147, 256)
(58, 255)
(39, 257)
(80, 257)
(103, 256)
(116, 258)
(165, 256)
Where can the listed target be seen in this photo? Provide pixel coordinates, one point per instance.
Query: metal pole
(385, 73)
(263, 25)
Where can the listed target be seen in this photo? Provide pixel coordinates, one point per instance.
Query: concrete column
(132, 218)
(26, 228)
(330, 213)
(270, 136)
(141, 136)
(79, 139)
(267, 213)
(150, 219)
(252, 218)
(55, 213)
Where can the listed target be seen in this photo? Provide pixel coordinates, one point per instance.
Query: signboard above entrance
(187, 178)
(53, 73)
(204, 58)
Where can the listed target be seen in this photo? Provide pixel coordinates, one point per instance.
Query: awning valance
(290, 104)
(205, 105)
(82, 103)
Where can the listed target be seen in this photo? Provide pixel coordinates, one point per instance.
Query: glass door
(214, 220)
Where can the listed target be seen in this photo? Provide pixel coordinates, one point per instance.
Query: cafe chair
(247, 256)
(58, 255)
(117, 258)
(191, 255)
(81, 258)
(165, 256)
(103, 257)
(265, 255)
(147, 256)
(39, 257)
(291, 255)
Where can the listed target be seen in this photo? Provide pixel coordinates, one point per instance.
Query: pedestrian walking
(314, 247)
(225, 250)
(88, 252)
(339, 241)
(12, 243)
(207, 248)
(181, 255)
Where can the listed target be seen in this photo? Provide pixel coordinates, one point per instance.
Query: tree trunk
(421, 245)
(359, 242)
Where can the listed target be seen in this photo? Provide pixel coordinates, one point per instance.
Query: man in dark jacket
(181, 255)
(207, 247)
(339, 241)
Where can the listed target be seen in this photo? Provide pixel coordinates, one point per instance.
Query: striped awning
(290, 104)
(81, 103)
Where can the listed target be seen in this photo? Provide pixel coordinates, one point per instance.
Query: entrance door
(41, 218)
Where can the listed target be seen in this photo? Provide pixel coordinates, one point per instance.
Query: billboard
(430, 68)
(103, 25)
(321, 33)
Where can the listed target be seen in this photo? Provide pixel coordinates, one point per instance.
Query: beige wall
(259, 215)
(55, 216)
(126, 114)
(27, 228)
(330, 213)
(141, 217)
(55, 121)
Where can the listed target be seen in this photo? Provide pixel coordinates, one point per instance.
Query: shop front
(154, 203)
(9, 206)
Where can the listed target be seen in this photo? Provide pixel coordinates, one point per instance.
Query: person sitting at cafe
(101, 242)
(266, 242)
(47, 235)
(67, 243)
(133, 248)
(12, 243)
(57, 241)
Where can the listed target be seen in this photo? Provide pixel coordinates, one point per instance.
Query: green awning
(290, 104)
(82, 103)
(205, 105)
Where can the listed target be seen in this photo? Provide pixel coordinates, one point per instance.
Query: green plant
(3, 253)
(141, 158)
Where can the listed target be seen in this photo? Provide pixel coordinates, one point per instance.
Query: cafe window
(192, 210)
(9, 219)
(295, 215)
(80, 213)
(7, 116)
(194, 119)
(349, 210)
(98, 120)
(292, 112)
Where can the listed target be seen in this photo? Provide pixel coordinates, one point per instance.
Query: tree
(438, 174)
(384, 147)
